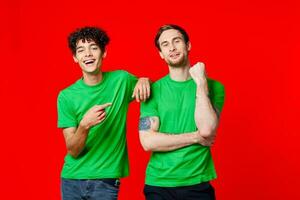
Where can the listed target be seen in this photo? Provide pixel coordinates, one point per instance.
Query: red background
(252, 47)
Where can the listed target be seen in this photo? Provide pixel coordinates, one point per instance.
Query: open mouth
(89, 62)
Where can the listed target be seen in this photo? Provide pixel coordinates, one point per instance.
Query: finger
(137, 96)
(138, 92)
(148, 90)
(99, 112)
(144, 92)
(141, 93)
(102, 115)
(201, 65)
(134, 93)
(105, 105)
(101, 118)
(208, 143)
(95, 108)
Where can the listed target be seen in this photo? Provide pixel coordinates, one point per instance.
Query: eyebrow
(80, 47)
(94, 45)
(175, 38)
(164, 42)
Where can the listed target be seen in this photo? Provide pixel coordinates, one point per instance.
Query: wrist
(201, 91)
(196, 138)
(144, 78)
(83, 125)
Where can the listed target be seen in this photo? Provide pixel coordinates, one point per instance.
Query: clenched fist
(197, 72)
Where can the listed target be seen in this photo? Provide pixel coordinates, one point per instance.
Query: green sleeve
(66, 116)
(131, 82)
(216, 94)
(150, 107)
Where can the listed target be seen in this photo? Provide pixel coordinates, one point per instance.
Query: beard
(178, 63)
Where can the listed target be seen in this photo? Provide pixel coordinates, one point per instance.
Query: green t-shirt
(174, 103)
(105, 152)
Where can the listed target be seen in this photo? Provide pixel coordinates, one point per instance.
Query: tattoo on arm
(145, 123)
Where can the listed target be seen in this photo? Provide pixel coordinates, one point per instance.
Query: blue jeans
(106, 189)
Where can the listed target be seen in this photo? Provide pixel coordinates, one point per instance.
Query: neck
(180, 73)
(92, 79)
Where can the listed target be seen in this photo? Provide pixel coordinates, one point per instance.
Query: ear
(189, 46)
(161, 55)
(104, 54)
(75, 59)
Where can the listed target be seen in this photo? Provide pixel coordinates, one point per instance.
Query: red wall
(252, 47)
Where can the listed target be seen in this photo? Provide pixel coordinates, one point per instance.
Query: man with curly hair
(92, 114)
(178, 124)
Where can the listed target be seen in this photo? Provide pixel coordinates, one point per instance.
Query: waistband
(111, 181)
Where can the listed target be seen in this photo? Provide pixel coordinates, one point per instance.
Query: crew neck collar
(93, 86)
(179, 82)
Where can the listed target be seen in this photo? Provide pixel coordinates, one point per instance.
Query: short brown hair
(168, 27)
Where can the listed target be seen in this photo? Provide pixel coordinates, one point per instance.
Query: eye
(164, 44)
(79, 51)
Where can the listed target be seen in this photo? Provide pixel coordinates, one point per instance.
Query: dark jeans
(99, 189)
(202, 191)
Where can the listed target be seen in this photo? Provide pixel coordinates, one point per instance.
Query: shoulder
(215, 85)
(70, 89)
(157, 84)
(118, 73)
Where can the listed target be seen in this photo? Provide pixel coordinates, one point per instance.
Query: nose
(172, 47)
(88, 53)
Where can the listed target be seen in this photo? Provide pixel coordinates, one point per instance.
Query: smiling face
(173, 48)
(89, 56)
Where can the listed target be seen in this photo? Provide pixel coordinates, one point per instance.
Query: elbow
(73, 153)
(145, 139)
(208, 132)
(147, 149)
(147, 146)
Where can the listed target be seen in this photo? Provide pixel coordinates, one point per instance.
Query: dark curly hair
(95, 34)
(168, 27)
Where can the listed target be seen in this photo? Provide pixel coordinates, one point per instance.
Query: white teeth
(89, 61)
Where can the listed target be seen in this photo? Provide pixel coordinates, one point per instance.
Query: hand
(94, 115)
(208, 141)
(141, 90)
(197, 73)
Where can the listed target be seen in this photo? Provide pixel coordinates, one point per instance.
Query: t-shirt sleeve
(217, 94)
(131, 82)
(66, 115)
(150, 107)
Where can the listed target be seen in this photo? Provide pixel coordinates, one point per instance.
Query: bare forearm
(205, 116)
(76, 142)
(156, 141)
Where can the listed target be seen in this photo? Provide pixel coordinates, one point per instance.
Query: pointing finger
(105, 105)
